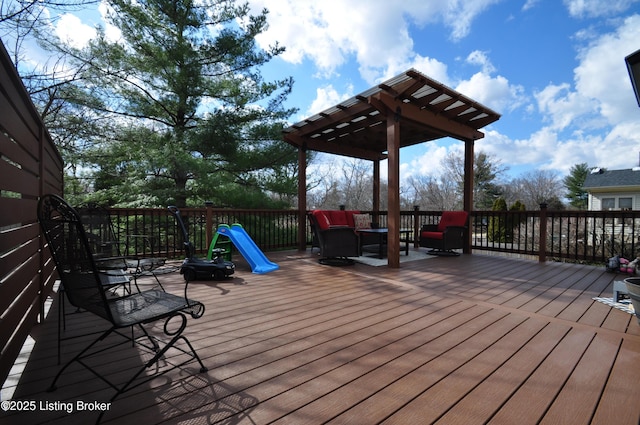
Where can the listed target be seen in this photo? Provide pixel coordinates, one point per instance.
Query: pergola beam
(427, 118)
(334, 148)
(342, 115)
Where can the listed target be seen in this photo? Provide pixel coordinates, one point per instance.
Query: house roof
(426, 109)
(612, 179)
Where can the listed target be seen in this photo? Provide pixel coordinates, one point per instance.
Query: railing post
(416, 226)
(209, 229)
(542, 249)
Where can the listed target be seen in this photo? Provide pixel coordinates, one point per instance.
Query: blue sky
(554, 69)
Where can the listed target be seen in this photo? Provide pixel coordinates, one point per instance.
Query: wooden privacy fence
(30, 166)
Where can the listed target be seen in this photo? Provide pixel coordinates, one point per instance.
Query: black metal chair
(110, 253)
(116, 269)
(85, 288)
(111, 265)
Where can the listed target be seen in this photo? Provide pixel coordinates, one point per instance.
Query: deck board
(619, 402)
(467, 340)
(536, 394)
(578, 399)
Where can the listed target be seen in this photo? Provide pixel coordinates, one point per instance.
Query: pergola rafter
(406, 110)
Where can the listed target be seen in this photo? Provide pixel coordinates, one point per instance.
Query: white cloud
(374, 32)
(461, 13)
(432, 67)
(478, 57)
(562, 107)
(495, 92)
(543, 149)
(593, 121)
(428, 163)
(602, 83)
(613, 151)
(530, 4)
(602, 74)
(112, 33)
(457, 15)
(327, 97)
(597, 8)
(70, 29)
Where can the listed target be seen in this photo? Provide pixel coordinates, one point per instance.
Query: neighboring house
(613, 189)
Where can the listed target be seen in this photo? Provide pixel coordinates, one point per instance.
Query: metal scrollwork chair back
(87, 288)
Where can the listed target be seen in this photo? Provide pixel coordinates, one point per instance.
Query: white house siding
(595, 199)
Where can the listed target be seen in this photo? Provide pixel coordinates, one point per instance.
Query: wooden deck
(467, 340)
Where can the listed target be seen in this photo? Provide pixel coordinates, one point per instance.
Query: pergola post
(468, 190)
(302, 198)
(376, 192)
(393, 219)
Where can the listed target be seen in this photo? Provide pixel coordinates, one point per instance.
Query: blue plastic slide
(248, 248)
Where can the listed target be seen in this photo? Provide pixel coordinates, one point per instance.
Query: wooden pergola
(406, 110)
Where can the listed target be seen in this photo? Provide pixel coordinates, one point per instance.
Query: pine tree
(497, 228)
(574, 182)
(190, 116)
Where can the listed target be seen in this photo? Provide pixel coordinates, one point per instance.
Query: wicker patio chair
(336, 244)
(447, 235)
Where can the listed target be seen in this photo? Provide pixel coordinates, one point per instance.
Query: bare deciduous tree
(348, 183)
(435, 194)
(534, 188)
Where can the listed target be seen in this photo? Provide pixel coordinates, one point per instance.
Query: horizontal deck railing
(576, 236)
(270, 229)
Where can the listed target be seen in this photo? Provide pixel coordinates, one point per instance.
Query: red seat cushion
(431, 235)
(334, 218)
(322, 219)
(338, 218)
(452, 218)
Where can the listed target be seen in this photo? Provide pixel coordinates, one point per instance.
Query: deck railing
(270, 229)
(576, 236)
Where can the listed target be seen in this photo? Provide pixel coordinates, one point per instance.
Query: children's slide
(248, 248)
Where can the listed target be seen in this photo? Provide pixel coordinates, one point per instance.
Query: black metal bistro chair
(110, 253)
(111, 265)
(85, 288)
(115, 269)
